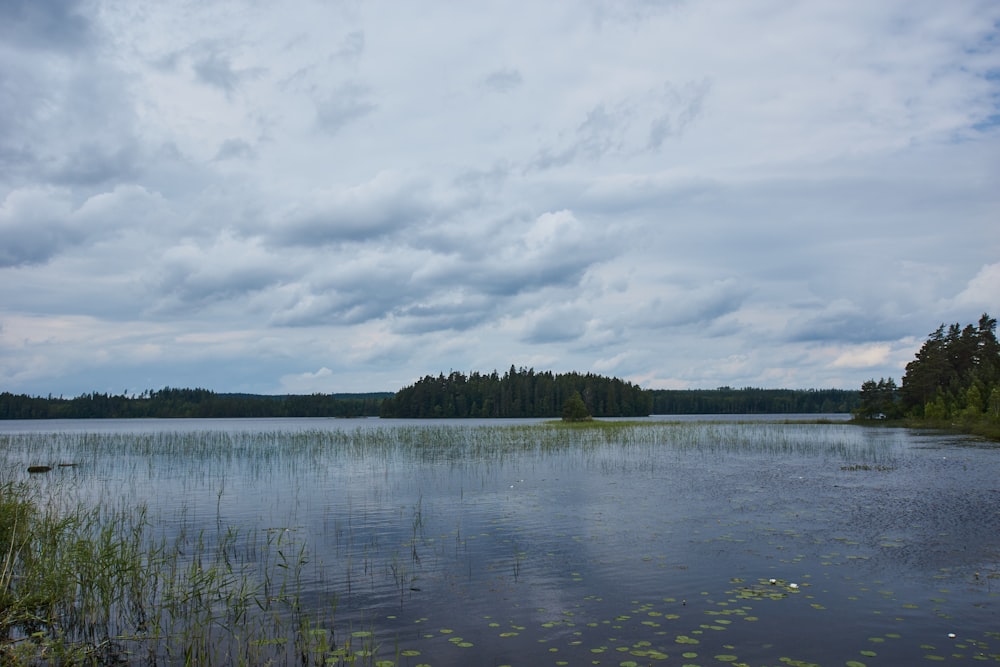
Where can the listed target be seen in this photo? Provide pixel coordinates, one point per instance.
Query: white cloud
(228, 194)
(983, 291)
(321, 381)
(866, 356)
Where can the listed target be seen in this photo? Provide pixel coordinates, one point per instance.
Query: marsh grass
(91, 586)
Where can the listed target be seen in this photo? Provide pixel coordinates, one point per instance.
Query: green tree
(974, 403)
(993, 406)
(950, 363)
(574, 409)
(878, 400)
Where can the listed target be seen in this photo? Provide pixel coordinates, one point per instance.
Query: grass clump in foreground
(86, 585)
(47, 593)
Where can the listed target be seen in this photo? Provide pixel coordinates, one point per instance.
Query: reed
(91, 586)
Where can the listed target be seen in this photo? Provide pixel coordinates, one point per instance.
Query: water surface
(492, 543)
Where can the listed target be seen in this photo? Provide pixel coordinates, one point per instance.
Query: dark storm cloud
(65, 118)
(32, 245)
(51, 25)
(92, 164)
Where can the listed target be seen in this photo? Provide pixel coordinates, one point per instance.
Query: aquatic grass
(88, 585)
(164, 454)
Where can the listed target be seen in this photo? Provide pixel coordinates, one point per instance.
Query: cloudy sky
(324, 196)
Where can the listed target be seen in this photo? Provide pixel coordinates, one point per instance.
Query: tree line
(183, 403)
(954, 377)
(520, 392)
(524, 392)
(750, 400)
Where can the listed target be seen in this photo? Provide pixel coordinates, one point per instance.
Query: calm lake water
(514, 543)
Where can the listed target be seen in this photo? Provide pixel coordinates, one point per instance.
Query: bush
(574, 409)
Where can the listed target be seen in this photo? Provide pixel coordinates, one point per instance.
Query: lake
(517, 542)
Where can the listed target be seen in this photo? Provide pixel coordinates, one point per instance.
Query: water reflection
(538, 545)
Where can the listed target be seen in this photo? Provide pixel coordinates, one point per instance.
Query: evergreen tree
(878, 400)
(574, 409)
(954, 374)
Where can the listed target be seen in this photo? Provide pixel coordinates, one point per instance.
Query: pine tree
(574, 409)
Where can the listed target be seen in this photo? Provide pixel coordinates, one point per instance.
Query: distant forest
(527, 393)
(516, 393)
(181, 403)
(729, 401)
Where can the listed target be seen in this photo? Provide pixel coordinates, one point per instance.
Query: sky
(324, 196)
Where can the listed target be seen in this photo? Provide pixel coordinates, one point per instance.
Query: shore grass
(92, 585)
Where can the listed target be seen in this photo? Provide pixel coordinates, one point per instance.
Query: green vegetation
(518, 393)
(90, 585)
(184, 403)
(750, 400)
(575, 410)
(954, 382)
(529, 393)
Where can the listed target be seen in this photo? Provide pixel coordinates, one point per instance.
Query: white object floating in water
(772, 581)
(951, 635)
(793, 586)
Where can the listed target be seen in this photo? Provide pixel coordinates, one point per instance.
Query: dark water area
(696, 543)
